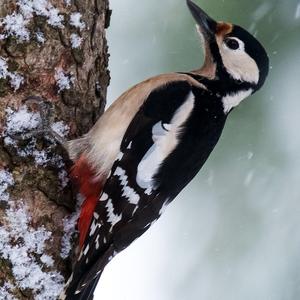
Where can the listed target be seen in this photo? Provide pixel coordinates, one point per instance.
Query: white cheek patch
(234, 99)
(239, 64)
(165, 138)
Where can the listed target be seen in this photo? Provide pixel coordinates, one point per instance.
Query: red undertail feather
(90, 188)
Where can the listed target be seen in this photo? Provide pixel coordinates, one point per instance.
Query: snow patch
(75, 20)
(63, 177)
(76, 40)
(40, 37)
(64, 81)
(54, 18)
(41, 8)
(69, 224)
(21, 120)
(15, 25)
(5, 291)
(20, 123)
(15, 79)
(6, 180)
(47, 260)
(60, 128)
(21, 244)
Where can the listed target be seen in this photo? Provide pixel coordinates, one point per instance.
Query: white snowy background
(234, 233)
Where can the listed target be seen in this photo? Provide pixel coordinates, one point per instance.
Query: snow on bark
(17, 25)
(75, 20)
(64, 81)
(69, 224)
(23, 246)
(76, 40)
(14, 78)
(6, 180)
(21, 122)
(5, 292)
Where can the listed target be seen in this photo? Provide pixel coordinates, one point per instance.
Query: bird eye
(232, 44)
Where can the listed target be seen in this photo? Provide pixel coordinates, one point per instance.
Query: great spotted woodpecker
(152, 141)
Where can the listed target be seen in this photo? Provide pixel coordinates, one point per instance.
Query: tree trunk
(57, 50)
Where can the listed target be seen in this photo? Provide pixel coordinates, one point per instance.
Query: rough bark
(37, 189)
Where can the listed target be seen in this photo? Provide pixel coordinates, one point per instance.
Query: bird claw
(46, 111)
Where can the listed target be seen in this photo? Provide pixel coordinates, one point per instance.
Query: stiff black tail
(86, 293)
(83, 281)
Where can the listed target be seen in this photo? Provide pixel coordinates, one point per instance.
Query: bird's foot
(44, 129)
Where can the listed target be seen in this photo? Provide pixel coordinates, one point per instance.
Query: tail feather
(82, 283)
(90, 186)
(85, 294)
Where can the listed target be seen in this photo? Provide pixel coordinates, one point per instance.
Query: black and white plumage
(155, 138)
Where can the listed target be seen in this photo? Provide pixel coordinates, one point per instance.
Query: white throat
(234, 99)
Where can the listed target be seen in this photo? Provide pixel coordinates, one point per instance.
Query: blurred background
(234, 232)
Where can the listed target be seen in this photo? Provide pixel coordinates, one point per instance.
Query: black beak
(207, 25)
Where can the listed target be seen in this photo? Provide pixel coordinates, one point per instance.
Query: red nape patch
(90, 188)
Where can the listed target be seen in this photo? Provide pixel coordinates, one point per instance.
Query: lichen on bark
(36, 204)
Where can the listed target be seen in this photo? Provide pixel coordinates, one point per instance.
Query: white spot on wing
(112, 217)
(128, 192)
(104, 197)
(232, 100)
(122, 176)
(129, 145)
(120, 156)
(165, 138)
(93, 228)
(97, 242)
(86, 250)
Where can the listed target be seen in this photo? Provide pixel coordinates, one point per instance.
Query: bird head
(230, 51)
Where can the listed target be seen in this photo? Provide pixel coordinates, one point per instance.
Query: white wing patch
(112, 218)
(104, 197)
(128, 192)
(94, 227)
(232, 100)
(165, 138)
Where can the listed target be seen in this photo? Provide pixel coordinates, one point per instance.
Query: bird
(152, 141)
